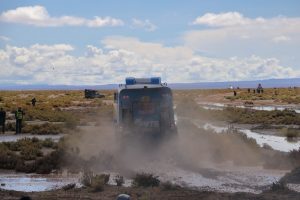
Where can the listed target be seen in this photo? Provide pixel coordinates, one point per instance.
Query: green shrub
(49, 162)
(96, 183)
(10, 126)
(8, 160)
(145, 180)
(86, 178)
(48, 143)
(43, 129)
(27, 167)
(30, 152)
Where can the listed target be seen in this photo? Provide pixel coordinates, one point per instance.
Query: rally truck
(143, 108)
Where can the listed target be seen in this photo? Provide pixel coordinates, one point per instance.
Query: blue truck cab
(144, 107)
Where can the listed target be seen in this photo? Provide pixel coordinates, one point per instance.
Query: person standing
(33, 101)
(2, 119)
(19, 118)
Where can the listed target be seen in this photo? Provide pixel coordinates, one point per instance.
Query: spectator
(2, 119)
(19, 118)
(33, 101)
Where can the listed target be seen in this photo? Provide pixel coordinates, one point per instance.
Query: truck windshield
(146, 104)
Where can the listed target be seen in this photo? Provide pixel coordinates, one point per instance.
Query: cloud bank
(38, 16)
(220, 47)
(121, 57)
(232, 34)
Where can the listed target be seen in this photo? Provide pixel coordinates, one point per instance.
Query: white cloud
(121, 57)
(281, 38)
(232, 34)
(223, 19)
(38, 16)
(144, 24)
(4, 38)
(92, 50)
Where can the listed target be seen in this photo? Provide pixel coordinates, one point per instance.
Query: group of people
(258, 90)
(19, 114)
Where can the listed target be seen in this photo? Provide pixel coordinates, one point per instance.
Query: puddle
(226, 177)
(220, 106)
(34, 182)
(212, 107)
(217, 129)
(276, 142)
(295, 187)
(14, 138)
(244, 179)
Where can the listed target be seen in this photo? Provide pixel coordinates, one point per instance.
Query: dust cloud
(99, 149)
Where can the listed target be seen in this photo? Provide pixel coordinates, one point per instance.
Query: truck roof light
(130, 81)
(152, 80)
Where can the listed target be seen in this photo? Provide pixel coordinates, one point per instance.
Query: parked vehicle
(91, 94)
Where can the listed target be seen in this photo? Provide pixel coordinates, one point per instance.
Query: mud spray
(193, 150)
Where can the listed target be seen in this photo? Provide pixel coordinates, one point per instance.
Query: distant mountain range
(269, 83)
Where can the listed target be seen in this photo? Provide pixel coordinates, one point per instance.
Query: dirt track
(111, 192)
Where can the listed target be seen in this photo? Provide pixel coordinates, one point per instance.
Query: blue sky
(182, 41)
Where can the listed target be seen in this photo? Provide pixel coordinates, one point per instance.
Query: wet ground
(12, 137)
(221, 106)
(279, 143)
(222, 178)
(35, 182)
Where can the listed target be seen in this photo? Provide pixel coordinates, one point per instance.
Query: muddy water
(34, 182)
(233, 179)
(220, 106)
(221, 178)
(14, 138)
(278, 143)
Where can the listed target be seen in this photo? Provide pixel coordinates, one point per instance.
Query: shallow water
(14, 138)
(217, 129)
(224, 178)
(34, 182)
(241, 179)
(220, 106)
(276, 142)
